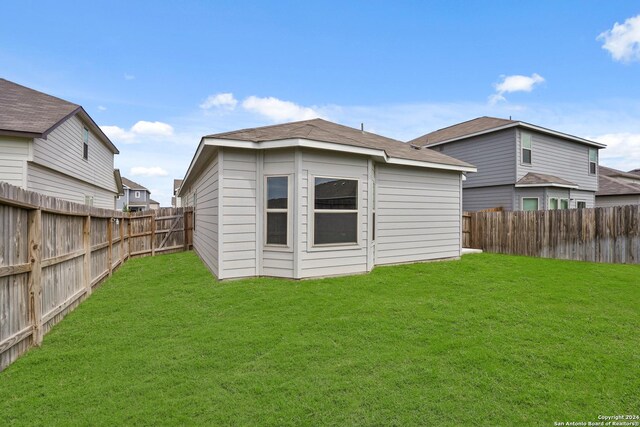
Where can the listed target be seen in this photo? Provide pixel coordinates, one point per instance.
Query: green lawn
(488, 340)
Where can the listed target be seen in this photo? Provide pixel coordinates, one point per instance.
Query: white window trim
(522, 203)
(522, 162)
(272, 246)
(136, 194)
(311, 245)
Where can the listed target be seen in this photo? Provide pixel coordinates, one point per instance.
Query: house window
(526, 148)
(88, 200)
(564, 203)
(581, 205)
(85, 143)
(335, 212)
(277, 210)
(593, 161)
(553, 203)
(137, 195)
(529, 203)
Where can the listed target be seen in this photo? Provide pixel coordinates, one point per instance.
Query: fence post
(35, 277)
(86, 240)
(129, 239)
(185, 225)
(153, 233)
(121, 241)
(110, 247)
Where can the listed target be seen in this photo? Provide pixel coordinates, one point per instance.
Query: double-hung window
(553, 203)
(593, 161)
(564, 203)
(335, 211)
(526, 148)
(277, 210)
(581, 205)
(85, 143)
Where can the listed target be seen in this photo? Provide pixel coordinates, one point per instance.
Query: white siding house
(315, 198)
(53, 147)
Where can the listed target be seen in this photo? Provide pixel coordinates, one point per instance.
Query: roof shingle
(543, 179)
(325, 131)
(461, 129)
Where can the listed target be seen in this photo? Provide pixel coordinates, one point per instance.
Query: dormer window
(85, 143)
(593, 161)
(526, 148)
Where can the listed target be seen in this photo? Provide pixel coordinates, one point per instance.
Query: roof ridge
(261, 127)
(471, 120)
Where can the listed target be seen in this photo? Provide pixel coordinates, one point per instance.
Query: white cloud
(278, 110)
(220, 100)
(623, 40)
(623, 150)
(141, 129)
(515, 83)
(129, 76)
(148, 171)
(102, 108)
(152, 128)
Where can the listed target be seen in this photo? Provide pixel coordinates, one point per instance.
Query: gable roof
(132, 185)
(610, 186)
(29, 113)
(543, 180)
(484, 125)
(606, 171)
(325, 131)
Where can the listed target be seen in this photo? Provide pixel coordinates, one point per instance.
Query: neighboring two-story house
(52, 146)
(136, 197)
(176, 201)
(520, 166)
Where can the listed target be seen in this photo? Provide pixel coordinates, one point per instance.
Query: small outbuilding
(315, 198)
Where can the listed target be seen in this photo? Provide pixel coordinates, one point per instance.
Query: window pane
(277, 192)
(85, 135)
(276, 228)
(529, 204)
(592, 168)
(582, 205)
(564, 204)
(336, 228)
(593, 155)
(526, 156)
(553, 203)
(526, 140)
(331, 193)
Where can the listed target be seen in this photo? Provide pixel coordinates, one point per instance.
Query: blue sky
(159, 75)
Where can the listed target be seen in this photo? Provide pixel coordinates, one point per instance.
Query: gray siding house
(520, 166)
(53, 147)
(135, 197)
(617, 188)
(315, 198)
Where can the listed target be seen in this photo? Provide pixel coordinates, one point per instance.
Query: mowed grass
(488, 340)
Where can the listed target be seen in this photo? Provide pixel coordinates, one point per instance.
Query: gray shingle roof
(461, 129)
(605, 171)
(610, 186)
(325, 131)
(543, 179)
(29, 111)
(33, 114)
(132, 184)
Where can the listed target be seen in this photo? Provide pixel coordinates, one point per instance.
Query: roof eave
(547, 185)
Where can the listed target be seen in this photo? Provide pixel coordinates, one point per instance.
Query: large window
(553, 203)
(85, 143)
(335, 212)
(593, 161)
(564, 203)
(526, 148)
(581, 205)
(529, 203)
(277, 210)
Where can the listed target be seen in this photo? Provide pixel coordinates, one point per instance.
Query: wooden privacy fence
(53, 253)
(610, 235)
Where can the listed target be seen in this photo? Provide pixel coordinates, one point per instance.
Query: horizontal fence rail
(608, 235)
(54, 253)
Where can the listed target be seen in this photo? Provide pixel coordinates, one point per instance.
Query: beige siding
(621, 200)
(332, 261)
(276, 262)
(62, 151)
(417, 214)
(56, 184)
(205, 234)
(239, 225)
(14, 153)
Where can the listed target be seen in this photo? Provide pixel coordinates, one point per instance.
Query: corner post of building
(35, 277)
